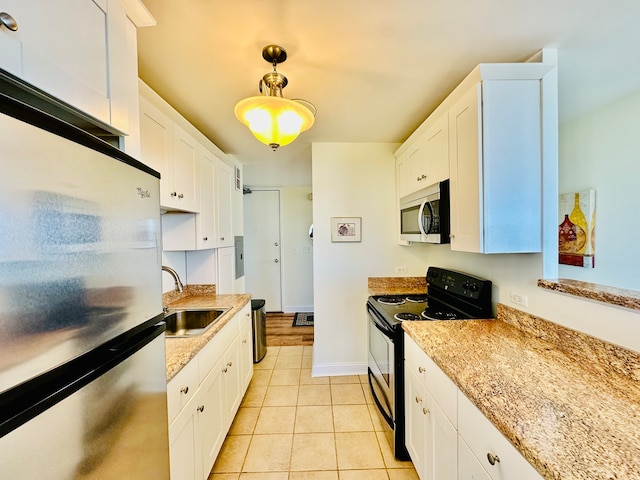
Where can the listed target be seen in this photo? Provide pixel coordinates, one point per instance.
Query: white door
(262, 247)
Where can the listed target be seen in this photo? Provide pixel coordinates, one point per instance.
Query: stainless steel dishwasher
(259, 318)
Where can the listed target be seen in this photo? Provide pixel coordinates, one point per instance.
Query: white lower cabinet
(199, 419)
(446, 435)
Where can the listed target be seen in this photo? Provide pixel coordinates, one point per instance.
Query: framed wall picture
(346, 229)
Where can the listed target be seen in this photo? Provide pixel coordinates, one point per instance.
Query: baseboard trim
(328, 369)
(298, 308)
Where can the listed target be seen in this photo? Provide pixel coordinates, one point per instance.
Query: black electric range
(451, 295)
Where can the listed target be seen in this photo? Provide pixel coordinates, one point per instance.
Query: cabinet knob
(229, 364)
(225, 370)
(426, 411)
(493, 459)
(181, 195)
(174, 194)
(222, 238)
(277, 261)
(421, 369)
(184, 390)
(8, 21)
(244, 340)
(201, 408)
(418, 399)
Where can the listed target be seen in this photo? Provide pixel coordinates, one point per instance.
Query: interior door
(262, 254)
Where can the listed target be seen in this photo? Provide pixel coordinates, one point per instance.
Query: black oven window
(379, 348)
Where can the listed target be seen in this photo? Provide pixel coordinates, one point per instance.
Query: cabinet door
(402, 176)
(415, 428)
(437, 150)
(441, 457)
(185, 165)
(246, 347)
(67, 61)
(212, 414)
(205, 220)
(417, 165)
(468, 466)
(232, 382)
(156, 146)
(224, 206)
(184, 453)
(465, 168)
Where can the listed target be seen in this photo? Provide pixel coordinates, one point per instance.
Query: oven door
(381, 365)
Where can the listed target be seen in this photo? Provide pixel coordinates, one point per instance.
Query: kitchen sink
(191, 322)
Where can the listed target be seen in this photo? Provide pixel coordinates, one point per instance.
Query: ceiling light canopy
(274, 120)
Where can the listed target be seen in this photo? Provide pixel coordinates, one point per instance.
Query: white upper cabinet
(206, 218)
(486, 136)
(174, 153)
(496, 167)
(224, 204)
(80, 52)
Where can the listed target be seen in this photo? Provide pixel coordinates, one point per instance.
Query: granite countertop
(396, 285)
(180, 350)
(569, 403)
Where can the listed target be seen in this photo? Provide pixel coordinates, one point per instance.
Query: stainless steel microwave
(424, 215)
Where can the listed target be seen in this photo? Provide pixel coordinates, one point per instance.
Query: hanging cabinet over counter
(492, 123)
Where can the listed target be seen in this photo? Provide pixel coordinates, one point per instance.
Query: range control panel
(458, 283)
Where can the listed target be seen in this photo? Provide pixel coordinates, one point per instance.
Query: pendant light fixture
(274, 120)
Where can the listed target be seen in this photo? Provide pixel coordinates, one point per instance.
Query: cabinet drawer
(181, 388)
(215, 349)
(484, 439)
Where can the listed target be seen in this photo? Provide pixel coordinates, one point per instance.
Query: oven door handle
(380, 324)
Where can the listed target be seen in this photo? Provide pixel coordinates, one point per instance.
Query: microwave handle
(425, 204)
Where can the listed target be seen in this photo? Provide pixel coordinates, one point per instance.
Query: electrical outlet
(401, 269)
(518, 299)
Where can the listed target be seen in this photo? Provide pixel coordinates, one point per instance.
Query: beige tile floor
(292, 426)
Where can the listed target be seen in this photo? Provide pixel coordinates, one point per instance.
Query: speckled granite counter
(592, 291)
(181, 350)
(568, 402)
(396, 285)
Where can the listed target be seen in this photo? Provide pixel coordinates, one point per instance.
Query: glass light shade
(275, 121)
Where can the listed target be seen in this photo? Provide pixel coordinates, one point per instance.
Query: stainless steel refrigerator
(82, 357)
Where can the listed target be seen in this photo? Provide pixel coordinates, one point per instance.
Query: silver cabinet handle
(493, 459)
(225, 370)
(277, 261)
(229, 364)
(222, 238)
(275, 244)
(421, 369)
(418, 399)
(426, 411)
(201, 408)
(174, 194)
(8, 21)
(184, 390)
(181, 195)
(204, 239)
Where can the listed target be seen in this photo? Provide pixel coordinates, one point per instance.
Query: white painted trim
(297, 308)
(138, 13)
(338, 369)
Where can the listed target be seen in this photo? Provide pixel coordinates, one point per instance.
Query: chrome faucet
(176, 278)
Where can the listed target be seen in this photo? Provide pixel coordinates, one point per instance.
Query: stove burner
(416, 298)
(391, 300)
(407, 316)
(439, 315)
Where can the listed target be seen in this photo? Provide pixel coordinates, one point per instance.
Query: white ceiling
(374, 69)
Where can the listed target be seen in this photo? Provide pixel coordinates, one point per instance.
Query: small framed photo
(346, 229)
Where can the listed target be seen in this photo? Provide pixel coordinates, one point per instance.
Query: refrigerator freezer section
(113, 428)
(80, 250)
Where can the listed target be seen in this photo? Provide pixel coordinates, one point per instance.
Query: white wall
(359, 180)
(297, 250)
(601, 150)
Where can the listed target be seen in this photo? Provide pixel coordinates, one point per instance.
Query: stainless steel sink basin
(191, 322)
